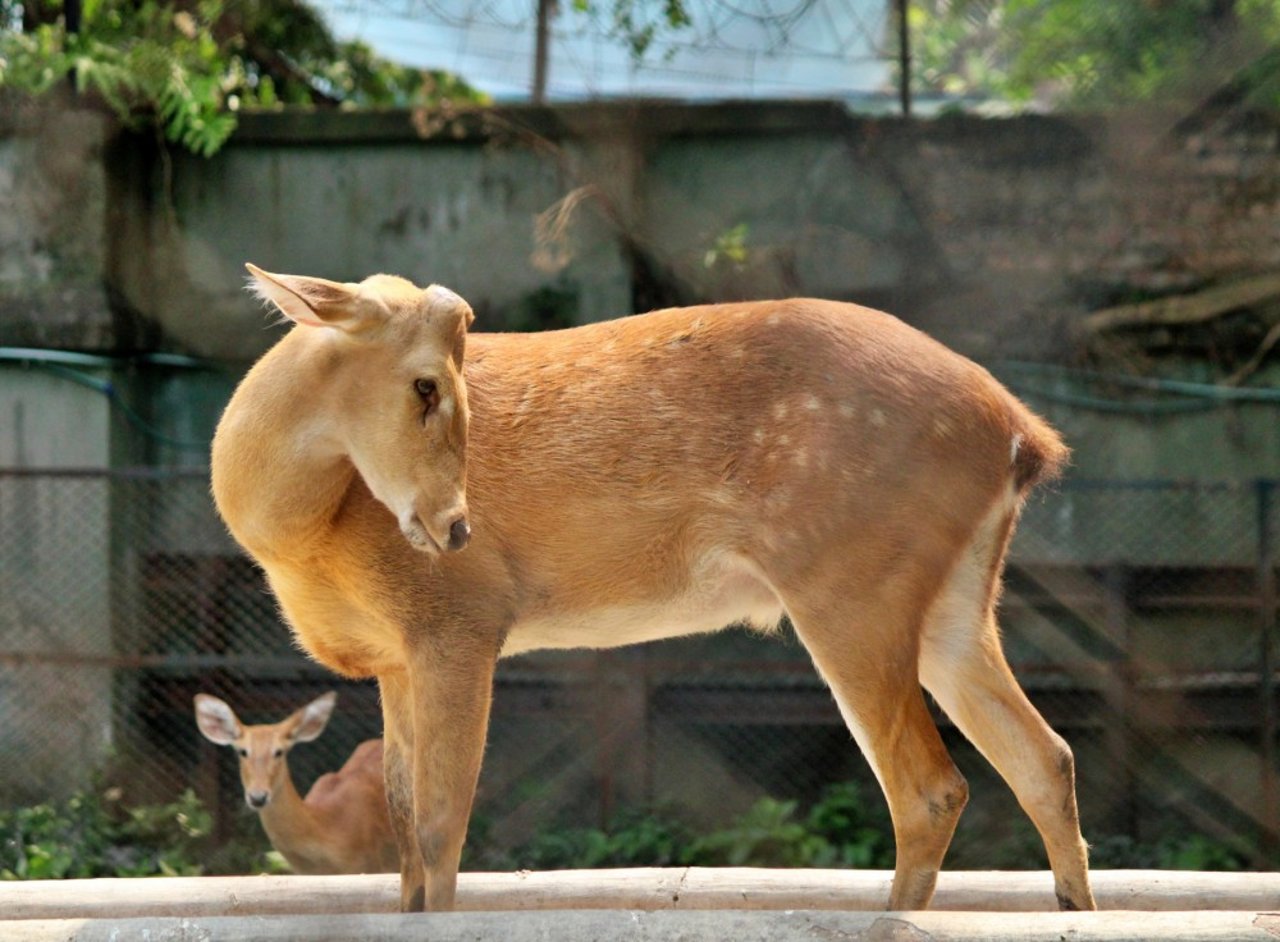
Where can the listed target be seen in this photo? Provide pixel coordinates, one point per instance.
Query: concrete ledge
(641, 889)
(632, 926)
(478, 124)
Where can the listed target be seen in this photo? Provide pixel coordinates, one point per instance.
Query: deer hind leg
(397, 759)
(867, 655)
(963, 666)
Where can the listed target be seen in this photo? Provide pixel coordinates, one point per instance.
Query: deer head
(263, 749)
(391, 398)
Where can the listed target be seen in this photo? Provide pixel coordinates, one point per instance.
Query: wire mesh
(1136, 614)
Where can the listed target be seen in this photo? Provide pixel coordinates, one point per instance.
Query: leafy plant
(188, 68)
(1170, 852)
(729, 246)
(1081, 52)
(637, 23)
(96, 834)
(837, 831)
(93, 835)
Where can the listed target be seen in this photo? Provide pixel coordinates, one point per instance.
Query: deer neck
(280, 471)
(288, 821)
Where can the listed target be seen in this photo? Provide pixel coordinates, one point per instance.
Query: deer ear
(310, 721)
(315, 302)
(445, 304)
(451, 317)
(216, 720)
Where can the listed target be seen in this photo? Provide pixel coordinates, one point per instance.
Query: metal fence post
(1267, 668)
(1120, 696)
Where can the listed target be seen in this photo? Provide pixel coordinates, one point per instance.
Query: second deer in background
(342, 825)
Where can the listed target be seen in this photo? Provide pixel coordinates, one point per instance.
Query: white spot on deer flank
(773, 320)
(758, 436)
(847, 410)
(801, 458)
(877, 417)
(811, 403)
(779, 410)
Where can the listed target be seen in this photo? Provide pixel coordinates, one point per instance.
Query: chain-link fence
(1140, 616)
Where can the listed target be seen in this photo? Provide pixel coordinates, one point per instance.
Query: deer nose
(459, 533)
(257, 799)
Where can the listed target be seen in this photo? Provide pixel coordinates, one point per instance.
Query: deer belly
(720, 593)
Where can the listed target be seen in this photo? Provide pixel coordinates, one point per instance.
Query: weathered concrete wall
(993, 234)
(53, 241)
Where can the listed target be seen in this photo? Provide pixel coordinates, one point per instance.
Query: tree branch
(1194, 308)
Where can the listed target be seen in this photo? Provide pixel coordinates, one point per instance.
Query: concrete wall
(994, 235)
(54, 194)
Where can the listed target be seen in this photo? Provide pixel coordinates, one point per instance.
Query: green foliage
(637, 23)
(96, 834)
(840, 830)
(188, 68)
(1170, 852)
(837, 831)
(93, 835)
(550, 307)
(635, 839)
(730, 247)
(1086, 53)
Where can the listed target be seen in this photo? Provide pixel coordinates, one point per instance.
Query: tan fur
(342, 826)
(658, 475)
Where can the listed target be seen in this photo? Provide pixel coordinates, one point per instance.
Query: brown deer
(342, 826)
(643, 478)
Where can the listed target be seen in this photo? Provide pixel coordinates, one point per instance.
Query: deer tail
(1038, 453)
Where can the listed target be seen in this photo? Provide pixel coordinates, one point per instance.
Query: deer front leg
(397, 767)
(451, 695)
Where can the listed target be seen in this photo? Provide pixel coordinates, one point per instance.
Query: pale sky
(735, 49)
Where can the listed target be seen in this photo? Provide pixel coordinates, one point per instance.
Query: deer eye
(244, 753)
(428, 392)
(278, 753)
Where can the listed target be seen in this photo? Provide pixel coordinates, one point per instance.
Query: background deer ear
(216, 720)
(310, 721)
(315, 302)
